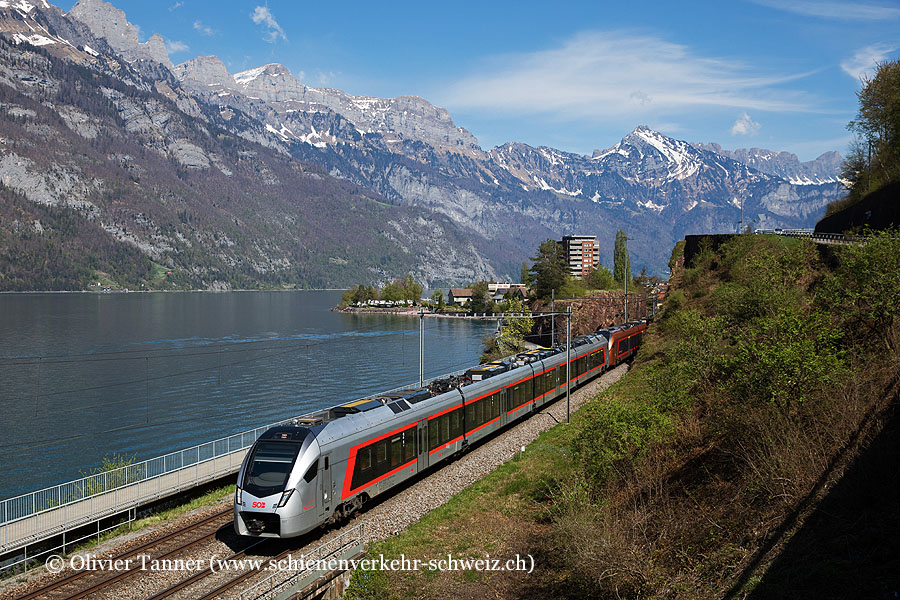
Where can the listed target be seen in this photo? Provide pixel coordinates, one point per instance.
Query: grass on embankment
(747, 393)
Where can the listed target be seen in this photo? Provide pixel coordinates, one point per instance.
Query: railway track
(382, 519)
(220, 589)
(87, 583)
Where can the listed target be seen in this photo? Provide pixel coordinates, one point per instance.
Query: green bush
(613, 430)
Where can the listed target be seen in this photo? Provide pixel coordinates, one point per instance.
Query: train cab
(277, 495)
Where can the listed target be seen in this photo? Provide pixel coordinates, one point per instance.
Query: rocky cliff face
(411, 153)
(187, 191)
(110, 24)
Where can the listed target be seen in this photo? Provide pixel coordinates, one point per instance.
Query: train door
(502, 395)
(422, 445)
(326, 489)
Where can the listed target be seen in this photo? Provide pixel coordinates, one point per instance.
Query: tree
(599, 278)
(393, 291)
(437, 296)
(525, 277)
(621, 259)
(412, 291)
(481, 301)
(875, 158)
(549, 269)
(514, 330)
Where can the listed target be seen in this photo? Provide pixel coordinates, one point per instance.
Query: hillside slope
(731, 461)
(208, 207)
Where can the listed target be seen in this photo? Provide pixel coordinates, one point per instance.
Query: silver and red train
(323, 468)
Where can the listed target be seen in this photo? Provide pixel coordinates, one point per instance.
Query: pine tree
(549, 269)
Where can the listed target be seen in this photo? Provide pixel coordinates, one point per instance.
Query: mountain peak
(269, 70)
(204, 71)
(651, 155)
(825, 169)
(108, 22)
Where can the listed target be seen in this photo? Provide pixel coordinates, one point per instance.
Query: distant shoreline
(130, 291)
(408, 312)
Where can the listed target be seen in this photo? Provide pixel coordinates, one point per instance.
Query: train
(321, 469)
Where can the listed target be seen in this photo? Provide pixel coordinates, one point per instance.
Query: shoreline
(410, 312)
(193, 291)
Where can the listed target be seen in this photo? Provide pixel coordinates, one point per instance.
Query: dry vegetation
(770, 371)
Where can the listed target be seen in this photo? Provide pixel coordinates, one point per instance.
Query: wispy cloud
(175, 6)
(863, 62)
(620, 74)
(203, 29)
(853, 11)
(745, 126)
(263, 16)
(173, 46)
(325, 78)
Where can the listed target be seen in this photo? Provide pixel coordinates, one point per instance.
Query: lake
(88, 376)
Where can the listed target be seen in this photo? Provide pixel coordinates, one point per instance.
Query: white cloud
(862, 64)
(619, 74)
(175, 6)
(263, 16)
(173, 46)
(203, 29)
(325, 78)
(853, 11)
(745, 126)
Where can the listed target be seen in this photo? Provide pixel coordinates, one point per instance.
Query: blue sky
(777, 74)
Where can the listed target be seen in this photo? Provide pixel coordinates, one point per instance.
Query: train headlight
(285, 497)
(239, 496)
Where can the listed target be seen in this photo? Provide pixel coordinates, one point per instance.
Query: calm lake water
(83, 376)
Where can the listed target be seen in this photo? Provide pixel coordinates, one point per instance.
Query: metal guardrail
(13, 511)
(63, 494)
(837, 238)
(134, 476)
(321, 560)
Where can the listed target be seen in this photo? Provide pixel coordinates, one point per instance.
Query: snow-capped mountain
(412, 153)
(824, 169)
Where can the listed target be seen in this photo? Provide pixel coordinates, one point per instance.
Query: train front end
(276, 493)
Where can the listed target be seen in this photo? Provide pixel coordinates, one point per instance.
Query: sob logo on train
(259, 505)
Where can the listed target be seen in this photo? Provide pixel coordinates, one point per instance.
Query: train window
(365, 458)
(445, 428)
(381, 452)
(326, 463)
(433, 435)
(409, 446)
(311, 472)
(396, 451)
(455, 425)
(515, 396)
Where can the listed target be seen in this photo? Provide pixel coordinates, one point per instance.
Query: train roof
(377, 410)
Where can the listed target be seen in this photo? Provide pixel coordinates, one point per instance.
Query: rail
(327, 557)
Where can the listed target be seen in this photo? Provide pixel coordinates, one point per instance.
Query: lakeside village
(566, 270)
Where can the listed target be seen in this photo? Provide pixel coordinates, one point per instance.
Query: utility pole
(568, 361)
(421, 347)
(553, 317)
(627, 276)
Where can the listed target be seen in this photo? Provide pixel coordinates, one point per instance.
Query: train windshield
(269, 467)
